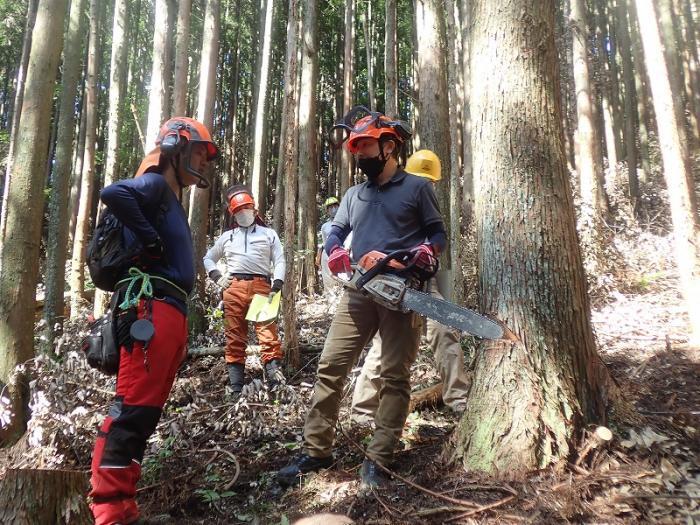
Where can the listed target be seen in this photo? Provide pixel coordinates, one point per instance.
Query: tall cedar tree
(532, 395)
(25, 205)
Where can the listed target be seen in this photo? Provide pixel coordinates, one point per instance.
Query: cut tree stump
(49, 497)
(427, 398)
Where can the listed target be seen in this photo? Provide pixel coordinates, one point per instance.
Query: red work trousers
(143, 384)
(237, 298)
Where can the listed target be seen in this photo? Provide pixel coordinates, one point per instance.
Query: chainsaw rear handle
(381, 266)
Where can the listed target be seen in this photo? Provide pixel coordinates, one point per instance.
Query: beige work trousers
(449, 361)
(356, 321)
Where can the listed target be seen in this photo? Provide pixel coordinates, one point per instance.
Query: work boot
(371, 476)
(302, 464)
(236, 374)
(275, 377)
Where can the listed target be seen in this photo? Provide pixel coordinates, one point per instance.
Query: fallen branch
(232, 459)
(482, 509)
(425, 398)
(601, 436)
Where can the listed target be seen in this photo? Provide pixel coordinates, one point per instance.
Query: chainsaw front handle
(381, 266)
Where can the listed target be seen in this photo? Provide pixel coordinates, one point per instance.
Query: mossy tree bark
(530, 396)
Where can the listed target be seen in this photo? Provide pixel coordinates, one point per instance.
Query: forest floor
(212, 461)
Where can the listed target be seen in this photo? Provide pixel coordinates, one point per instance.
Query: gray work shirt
(390, 217)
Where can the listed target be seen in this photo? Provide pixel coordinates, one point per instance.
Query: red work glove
(423, 257)
(339, 261)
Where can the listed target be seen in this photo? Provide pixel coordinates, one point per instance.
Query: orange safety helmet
(175, 138)
(370, 127)
(360, 122)
(239, 197)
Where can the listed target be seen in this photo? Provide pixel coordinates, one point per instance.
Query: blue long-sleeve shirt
(150, 210)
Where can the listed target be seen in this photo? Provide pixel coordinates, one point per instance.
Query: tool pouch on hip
(102, 344)
(101, 347)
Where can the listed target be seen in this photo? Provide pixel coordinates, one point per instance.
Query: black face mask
(371, 166)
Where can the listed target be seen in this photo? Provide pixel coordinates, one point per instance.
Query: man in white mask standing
(254, 265)
(331, 205)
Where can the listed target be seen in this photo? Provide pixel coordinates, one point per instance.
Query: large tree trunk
(17, 110)
(676, 161)
(82, 224)
(29, 497)
(434, 122)
(157, 100)
(25, 206)
(391, 90)
(257, 176)
(346, 165)
(57, 242)
(533, 394)
(117, 85)
(199, 203)
(181, 47)
(307, 141)
(289, 160)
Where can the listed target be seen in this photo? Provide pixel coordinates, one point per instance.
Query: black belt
(161, 289)
(250, 277)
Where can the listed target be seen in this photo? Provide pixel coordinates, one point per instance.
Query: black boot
(301, 465)
(273, 370)
(371, 476)
(236, 374)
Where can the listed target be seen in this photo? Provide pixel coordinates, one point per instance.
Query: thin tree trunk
(455, 198)
(630, 138)
(434, 122)
(676, 161)
(17, 109)
(366, 30)
(467, 174)
(307, 140)
(257, 176)
(290, 202)
(117, 85)
(181, 53)
(532, 395)
(589, 177)
(199, 204)
(77, 280)
(25, 198)
(692, 67)
(56, 251)
(159, 81)
(76, 175)
(640, 76)
(346, 165)
(391, 90)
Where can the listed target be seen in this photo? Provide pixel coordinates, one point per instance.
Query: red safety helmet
(176, 138)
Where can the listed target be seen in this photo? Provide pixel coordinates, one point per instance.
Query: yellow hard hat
(330, 201)
(424, 163)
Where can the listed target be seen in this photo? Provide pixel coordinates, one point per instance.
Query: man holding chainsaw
(444, 341)
(391, 211)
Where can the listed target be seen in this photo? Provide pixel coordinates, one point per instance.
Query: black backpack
(108, 257)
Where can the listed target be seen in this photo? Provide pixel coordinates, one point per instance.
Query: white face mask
(245, 217)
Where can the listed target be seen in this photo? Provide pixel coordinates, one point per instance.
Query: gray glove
(224, 281)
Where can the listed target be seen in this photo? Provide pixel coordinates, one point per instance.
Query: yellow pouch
(263, 309)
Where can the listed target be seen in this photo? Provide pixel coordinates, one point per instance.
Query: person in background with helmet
(149, 208)
(391, 211)
(331, 205)
(449, 358)
(253, 254)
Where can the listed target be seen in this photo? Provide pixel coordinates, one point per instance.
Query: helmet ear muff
(172, 144)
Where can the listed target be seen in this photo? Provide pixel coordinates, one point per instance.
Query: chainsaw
(391, 281)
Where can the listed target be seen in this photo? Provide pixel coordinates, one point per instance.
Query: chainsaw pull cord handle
(381, 265)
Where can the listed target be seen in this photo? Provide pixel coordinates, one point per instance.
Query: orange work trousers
(237, 299)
